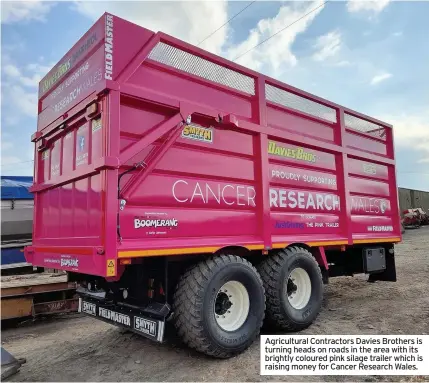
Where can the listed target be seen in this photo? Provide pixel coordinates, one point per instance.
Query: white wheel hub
(231, 306)
(298, 288)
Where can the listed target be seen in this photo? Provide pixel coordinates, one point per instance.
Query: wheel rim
(231, 306)
(298, 288)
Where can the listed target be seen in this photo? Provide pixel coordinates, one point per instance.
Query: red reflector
(125, 261)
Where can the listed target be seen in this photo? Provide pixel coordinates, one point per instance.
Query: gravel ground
(75, 348)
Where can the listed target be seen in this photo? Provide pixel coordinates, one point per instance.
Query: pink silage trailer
(177, 186)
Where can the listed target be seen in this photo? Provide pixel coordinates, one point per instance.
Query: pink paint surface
(216, 185)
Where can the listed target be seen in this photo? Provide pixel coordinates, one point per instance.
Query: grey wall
(409, 199)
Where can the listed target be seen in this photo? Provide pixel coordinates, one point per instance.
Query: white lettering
(302, 200)
(369, 205)
(328, 196)
(197, 186)
(319, 201)
(214, 195)
(380, 228)
(70, 262)
(138, 223)
(89, 308)
(114, 316)
(310, 201)
(145, 326)
(83, 87)
(240, 195)
(174, 193)
(293, 199)
(273, 198)
(282, 194)
(108, 48)
(223, 196)
(251, 194)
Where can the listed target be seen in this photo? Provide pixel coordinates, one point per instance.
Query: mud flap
(389, 273)
(125, 317)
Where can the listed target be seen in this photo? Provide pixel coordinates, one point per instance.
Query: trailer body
(148, 147)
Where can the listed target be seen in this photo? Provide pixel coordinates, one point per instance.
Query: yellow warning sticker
(111, 272)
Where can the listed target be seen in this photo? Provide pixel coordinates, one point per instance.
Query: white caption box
(344, 355)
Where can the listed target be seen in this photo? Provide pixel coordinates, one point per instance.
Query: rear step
(148, 321)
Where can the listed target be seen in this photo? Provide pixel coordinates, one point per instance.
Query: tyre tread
(270, 271)
(188, 304)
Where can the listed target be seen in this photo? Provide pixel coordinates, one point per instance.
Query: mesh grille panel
(293, 101)
(364, 126)
(171, 56)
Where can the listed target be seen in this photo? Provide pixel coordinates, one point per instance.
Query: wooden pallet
(30, 295)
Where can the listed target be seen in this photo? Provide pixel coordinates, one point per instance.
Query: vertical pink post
(343, 177)
(261, 164)
(393, 187)
(111, 139)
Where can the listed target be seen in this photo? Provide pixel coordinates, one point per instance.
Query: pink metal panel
(287, 224)
(300, 155)
(183, 88)
(296, 200)
(366, 186)
(138, 118)
(367, 169)
(186, 192)
(373, 227)
(246, 173)
(201, 223)
(363, 205)
(304, 178)
(205, 163)
(367, 144)
(280, 119)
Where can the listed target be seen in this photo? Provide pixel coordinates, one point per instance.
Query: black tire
(275, 272)
(194, 311)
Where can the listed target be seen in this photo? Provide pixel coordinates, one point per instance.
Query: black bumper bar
(149, 323)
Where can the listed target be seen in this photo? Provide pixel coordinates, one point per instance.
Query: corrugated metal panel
(410, 199)
(421, 199)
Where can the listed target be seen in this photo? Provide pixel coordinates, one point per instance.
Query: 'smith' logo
(198, 133)
(138, 223)
(297, 153)
(89, 308)
(70, 262)
(145, 326)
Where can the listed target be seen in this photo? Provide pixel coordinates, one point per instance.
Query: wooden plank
(61, 306)
(32, 280)
(37, 289)
(16, 307)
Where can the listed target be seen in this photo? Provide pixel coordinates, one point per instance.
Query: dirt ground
(75, 348)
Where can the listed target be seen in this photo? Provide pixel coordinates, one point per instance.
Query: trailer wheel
(294, 288)
(219, 306)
